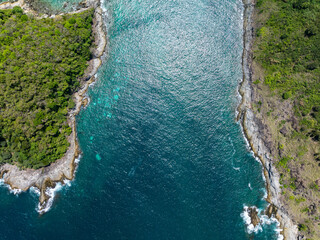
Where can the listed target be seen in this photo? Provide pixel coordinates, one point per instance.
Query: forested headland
(41, 60)
(286, 83)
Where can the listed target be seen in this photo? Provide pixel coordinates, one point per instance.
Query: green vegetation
(284, 161)
(40, 63)
(300, 200)
(286, 78)
(314, 186)
(289, 52)
(302, 227)
(305, 210)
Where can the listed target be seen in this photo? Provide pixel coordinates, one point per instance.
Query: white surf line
(15, 191)
(51, 192)
(233, 153)
(264, 220)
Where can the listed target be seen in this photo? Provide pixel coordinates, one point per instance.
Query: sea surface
(163, 156)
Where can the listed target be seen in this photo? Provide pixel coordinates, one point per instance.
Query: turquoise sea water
(58, 5)
(163, 157)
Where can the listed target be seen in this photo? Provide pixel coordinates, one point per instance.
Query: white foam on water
(67, 182)
(35, 191)
(265, 193)
(245, 214)
(247, 220)
(93, 83)
(89, 100)
(2, 182)
(15, 191)
(103, 3)
(246, 140)
(255, 157)
(50, 192)
(77, 160)
(233, 153)
(264, 220)
(76, 163)
(238, 97)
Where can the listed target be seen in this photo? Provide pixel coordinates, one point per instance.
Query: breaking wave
(264, 220)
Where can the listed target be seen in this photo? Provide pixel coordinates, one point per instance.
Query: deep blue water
(163, 157)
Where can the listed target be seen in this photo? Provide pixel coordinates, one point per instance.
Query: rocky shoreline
(64, 168)
(254, 131)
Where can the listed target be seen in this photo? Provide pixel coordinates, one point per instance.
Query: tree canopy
(288, 50)
(41, 61)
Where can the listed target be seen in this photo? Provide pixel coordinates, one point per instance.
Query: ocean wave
(103, 4)
(35, 191)
(233, 153)
(265, 193)
(15, 191)
(77, 160)
(50, 192)
(264, 220)
(247, 220)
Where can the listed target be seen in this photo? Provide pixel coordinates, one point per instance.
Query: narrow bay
(163, 157)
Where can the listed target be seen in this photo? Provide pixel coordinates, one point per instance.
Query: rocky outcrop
(271, 210)
(100, 43)
(253, 214)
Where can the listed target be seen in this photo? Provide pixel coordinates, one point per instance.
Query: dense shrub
(40, 63)
(288, 50)
(286, 95)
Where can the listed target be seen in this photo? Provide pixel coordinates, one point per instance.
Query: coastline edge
(251, 128)
(64, 168)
